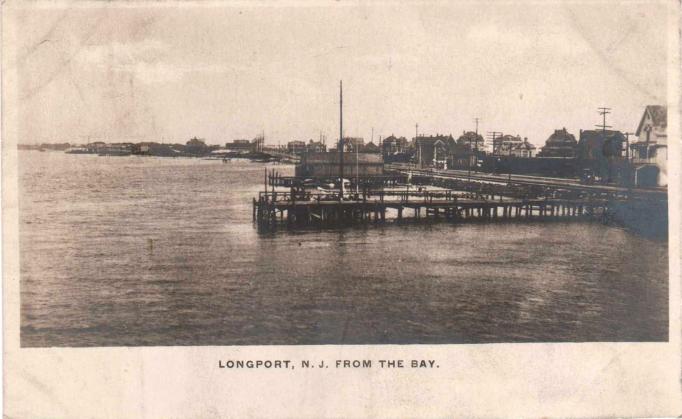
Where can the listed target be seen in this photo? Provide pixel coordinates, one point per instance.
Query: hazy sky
(231, 70)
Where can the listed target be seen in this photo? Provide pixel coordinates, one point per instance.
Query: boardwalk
(442, 176)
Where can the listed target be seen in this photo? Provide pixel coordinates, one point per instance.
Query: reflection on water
(151, 251)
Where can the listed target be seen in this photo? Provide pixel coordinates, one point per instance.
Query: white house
(509, 145)
(650, 151)
(524, 149)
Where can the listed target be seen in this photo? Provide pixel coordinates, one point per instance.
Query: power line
(495, 136)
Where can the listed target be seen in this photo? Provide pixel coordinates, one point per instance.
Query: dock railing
(401, 196)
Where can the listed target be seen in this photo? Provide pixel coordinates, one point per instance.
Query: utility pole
(494, 135)
(603, 112)
(496, 147)
(341, 138)
(357, 169)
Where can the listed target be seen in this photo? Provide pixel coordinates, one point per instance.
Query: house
(560, 144)
(471, 139)
(351, 143)
(461, 157)
(600, 153)
(296, 147)
(523, 149)
(433, 150)
(650, 151)
(396, 149)
(513, 146)
(393, 145)
(316, 147)
(370, 147)
(502, 146)
(141, 148)
(155, 149)
(600, 144)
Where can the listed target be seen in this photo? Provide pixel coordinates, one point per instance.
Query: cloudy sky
(220, 71)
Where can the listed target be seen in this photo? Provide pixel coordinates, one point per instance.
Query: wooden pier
(272, 209)
(404, 196)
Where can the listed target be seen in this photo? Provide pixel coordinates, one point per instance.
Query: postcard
(341, 209)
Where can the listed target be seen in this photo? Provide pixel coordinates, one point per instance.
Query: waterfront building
(523, 150)
(396, 149)
(600, 144)
(316, 147)
(370, 147)
(600, 154)
(560, 144)
(296, 147)
(240, 146)
(327, 165)
(351, 143)
(433, 150)
(650, 151)
(510, 145)
(461, 157)
(150, 148)
(503, 144)
(394, 145)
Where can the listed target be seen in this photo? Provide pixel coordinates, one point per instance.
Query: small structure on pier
(327, 165)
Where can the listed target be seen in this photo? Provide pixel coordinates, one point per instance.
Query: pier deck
(275, 208)
(422, 194)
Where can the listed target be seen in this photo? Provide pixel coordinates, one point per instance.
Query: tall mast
(417, 143)
(341, 137)
(357, 169)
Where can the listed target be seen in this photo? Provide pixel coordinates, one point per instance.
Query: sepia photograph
(330, 174)
(313, 209)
